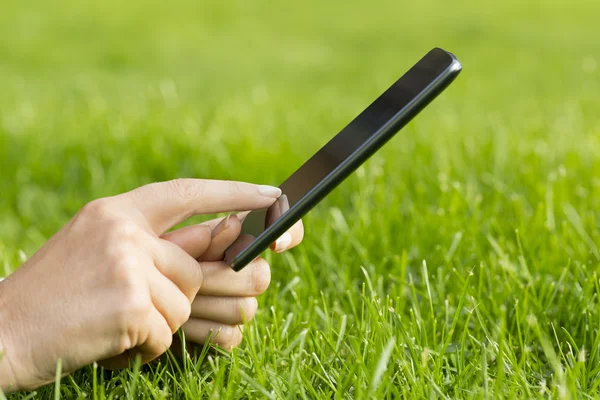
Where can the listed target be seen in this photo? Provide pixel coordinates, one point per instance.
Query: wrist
(8, 378)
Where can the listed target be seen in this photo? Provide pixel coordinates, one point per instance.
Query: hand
(227, 298)
(106, 286)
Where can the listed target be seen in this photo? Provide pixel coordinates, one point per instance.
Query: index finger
(213, 223)
(165, 204)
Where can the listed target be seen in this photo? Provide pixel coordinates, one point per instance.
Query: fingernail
(283, 242)
(269, 191)
(222, 226)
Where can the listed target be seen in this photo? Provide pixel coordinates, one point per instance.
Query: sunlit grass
(460, 262)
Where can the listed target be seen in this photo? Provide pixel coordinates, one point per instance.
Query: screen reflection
(349, 141)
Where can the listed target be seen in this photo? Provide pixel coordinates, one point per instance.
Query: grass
(460, 262)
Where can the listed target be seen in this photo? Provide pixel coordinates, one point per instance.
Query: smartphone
(343, 154)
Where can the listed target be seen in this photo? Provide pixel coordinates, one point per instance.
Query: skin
(112, 284)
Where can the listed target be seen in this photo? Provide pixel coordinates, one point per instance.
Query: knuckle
(186, 189)
(237, 337)
(125, 342)
(228, 337)
(190, 269)
(123, 265)
(246, 309)
(165, 340)
(235, 187)
(183, 315)
(133, 309)
(123, 273)
(261, 276)
(122, 231)
(196, 278)
(93, 211)
(136, 303)
(98, 207)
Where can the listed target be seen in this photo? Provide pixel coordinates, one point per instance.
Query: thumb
(165, 204)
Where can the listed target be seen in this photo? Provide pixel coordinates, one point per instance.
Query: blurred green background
(98, 98)
(499, 177)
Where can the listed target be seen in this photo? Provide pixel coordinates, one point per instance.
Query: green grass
(461, 262)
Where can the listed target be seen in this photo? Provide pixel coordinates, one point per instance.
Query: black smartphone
(343, 154)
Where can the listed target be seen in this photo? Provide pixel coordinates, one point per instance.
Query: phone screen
(339, 150)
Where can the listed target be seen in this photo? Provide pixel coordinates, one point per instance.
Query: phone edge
(349, 165)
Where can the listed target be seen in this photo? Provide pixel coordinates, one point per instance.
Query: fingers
(243, 241)
(224, 234)
(201, 330)
(212, 224)
(290, 239)
(177, 266)
(199, 242)
(194, 240)
(226, 310)
(170, 302)
(158, 340)
(221, 280)
(159, 337)
(165, 204)
(276, 210)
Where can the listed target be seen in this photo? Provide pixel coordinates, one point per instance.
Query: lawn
(462, 261)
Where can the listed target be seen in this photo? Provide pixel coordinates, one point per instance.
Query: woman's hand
(226, 298)
(108, 287)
